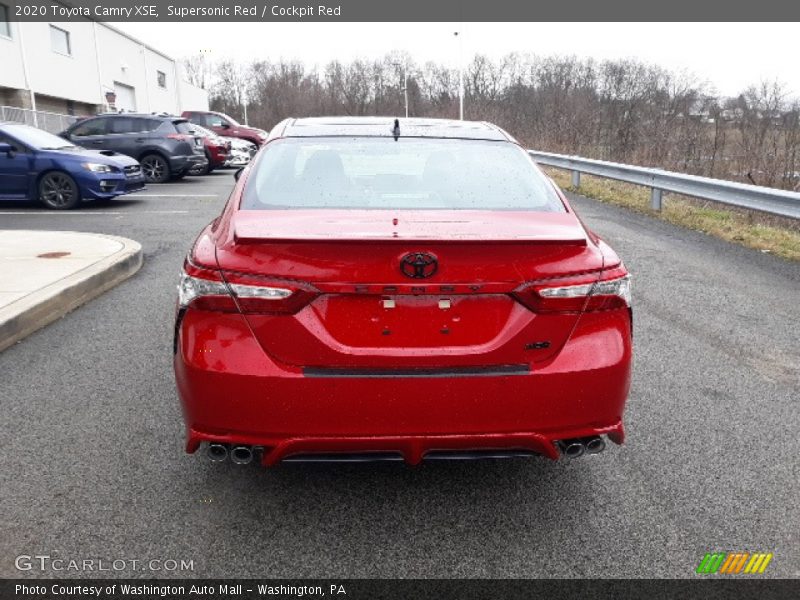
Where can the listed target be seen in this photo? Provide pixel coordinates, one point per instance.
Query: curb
(47, 304)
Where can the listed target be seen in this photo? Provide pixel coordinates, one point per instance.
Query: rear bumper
(237, 161)
(232, 392)
(413, 449)
(218, 158)
(181, 163)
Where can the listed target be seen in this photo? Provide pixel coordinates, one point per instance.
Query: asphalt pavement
(92, 438)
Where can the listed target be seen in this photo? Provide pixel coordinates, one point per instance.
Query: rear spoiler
(315, 226)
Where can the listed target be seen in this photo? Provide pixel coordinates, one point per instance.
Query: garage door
(126, 97)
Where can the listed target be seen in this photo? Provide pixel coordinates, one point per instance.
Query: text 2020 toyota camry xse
(377, 289)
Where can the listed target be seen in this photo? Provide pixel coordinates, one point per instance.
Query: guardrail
(770, 200)
(49, 121)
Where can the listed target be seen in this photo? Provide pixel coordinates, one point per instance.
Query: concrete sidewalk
(46, 274)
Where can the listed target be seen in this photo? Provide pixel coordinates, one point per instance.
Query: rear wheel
(201, 170)
(155, 168)
(59, 191)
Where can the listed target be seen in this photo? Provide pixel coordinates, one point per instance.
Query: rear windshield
(410, 173)
(183, 127)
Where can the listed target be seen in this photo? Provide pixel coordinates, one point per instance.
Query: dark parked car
(164, 145)
(37, 165)
(222, 124)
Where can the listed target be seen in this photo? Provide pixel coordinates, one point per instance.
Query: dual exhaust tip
(240, 455)
(577, 447)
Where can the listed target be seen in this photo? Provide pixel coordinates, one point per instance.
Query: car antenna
(396, 129)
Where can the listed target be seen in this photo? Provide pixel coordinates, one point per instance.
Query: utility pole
(460, 76)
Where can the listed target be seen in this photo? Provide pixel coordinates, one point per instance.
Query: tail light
(180, 136)
(606, 290)
(209, 289)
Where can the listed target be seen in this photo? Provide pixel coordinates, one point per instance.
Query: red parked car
(400, 290)
(217, 149)
(222, 124)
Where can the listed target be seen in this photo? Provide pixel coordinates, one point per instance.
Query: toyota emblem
(419, 265)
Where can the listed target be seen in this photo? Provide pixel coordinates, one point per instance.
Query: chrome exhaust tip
(572, 448)
(241, 455)
(595, 445)
(217, 452)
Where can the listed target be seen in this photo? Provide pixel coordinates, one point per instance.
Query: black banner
(405, 11)
(433, 589)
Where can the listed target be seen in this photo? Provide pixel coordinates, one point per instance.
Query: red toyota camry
(378, 289)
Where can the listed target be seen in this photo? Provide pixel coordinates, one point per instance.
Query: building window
(162, 79)
(59, 41)
(5, 25)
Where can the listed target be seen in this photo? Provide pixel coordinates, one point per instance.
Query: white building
(83, 67)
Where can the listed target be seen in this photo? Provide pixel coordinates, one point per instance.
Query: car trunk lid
(376, 311)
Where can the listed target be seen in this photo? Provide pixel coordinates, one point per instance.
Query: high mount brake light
(603, 291)
(212, 290)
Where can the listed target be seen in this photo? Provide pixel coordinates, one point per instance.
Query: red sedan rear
(218, 150)
(411, 290)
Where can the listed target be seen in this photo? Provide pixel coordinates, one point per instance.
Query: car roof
(383, 127)
(139, 116)
(206, 112)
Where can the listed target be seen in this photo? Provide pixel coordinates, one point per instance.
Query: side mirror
(7, 149)
(238, 173)
(225, 125)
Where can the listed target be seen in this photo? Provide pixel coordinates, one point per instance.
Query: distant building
(84, 67)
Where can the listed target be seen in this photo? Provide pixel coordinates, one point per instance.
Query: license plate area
(422, 321)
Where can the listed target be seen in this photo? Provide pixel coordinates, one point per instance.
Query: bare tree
(197, 69)
(621, 110)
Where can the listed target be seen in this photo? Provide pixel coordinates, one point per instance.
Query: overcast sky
(730, 56)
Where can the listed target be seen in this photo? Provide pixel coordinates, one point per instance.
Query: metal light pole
(460, 77)
(404, 66)
(244, 106)
(405, 88)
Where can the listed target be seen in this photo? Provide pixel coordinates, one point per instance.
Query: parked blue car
(36, 165)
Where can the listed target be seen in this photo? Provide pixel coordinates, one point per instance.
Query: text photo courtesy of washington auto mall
(421, 300)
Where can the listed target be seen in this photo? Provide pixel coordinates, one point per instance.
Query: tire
(208, 168)
(155, 168)
(204, 171)
(58, 191)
